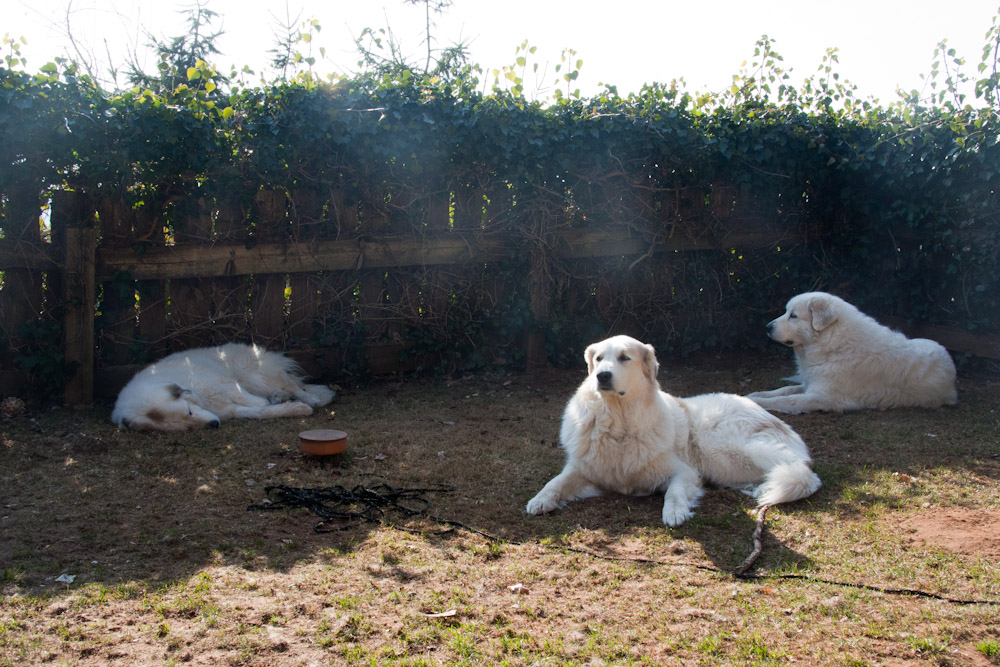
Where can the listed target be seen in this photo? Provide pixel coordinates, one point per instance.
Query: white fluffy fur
(848, 361)
(204, 386)
(621, 433)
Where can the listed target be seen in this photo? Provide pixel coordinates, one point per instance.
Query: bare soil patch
(962, 530)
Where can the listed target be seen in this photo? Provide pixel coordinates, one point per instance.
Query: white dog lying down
(204, 386)
(621, 433)
(848, 361)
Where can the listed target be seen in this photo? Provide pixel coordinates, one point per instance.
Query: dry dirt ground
(148, 549)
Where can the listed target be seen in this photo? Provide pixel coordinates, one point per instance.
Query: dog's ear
(589, 355)
(823, 312)
(650, 366)
(176, 391)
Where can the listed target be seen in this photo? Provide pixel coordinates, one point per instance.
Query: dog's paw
(317, 395)
(541, 504)
(675, 513)
(297, 409)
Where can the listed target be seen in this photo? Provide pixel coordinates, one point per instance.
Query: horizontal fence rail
(196, 261)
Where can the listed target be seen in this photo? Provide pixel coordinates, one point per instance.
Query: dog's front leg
(682, 495)
(798, 403)
(564, 487)
(287, 409)
(780, 391)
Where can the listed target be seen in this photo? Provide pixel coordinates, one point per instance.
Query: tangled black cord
(374, 504)
(340, 504)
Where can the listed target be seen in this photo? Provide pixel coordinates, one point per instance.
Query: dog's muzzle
(605, 381)
(770, 334)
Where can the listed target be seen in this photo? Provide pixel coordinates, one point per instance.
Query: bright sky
(882, 43)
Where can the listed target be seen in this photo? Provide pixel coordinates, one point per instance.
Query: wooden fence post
(267, 293)
(21, 294)
(190, 298)
(229, 293)
(152, 293)
(303, 311)
(118, 292)
(539, 290)
(79, 292)
(374, 220)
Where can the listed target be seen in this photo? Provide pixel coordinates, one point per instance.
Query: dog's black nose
(770, 325)
(213, 424)
(604, 377)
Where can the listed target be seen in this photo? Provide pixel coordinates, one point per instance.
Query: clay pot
(322, 442)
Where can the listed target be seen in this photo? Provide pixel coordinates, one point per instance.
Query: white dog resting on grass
(204, 386)
(621, 433)
(848, 361)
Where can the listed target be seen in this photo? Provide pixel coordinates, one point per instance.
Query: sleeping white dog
(621, 433)
(201, 387)
(848, 361)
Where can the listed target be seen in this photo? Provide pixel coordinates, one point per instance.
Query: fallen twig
(757, 546)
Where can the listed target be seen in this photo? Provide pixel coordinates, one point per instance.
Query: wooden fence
(324, 280)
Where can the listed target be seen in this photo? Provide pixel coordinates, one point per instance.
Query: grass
(170, 565)
(990, 648)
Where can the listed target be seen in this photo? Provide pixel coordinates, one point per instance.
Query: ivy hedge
(897, 203)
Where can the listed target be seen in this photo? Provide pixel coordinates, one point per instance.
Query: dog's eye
(600, 357)
(623, 358)
(792, 316)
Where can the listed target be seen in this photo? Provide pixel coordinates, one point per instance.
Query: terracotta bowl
(322, 442)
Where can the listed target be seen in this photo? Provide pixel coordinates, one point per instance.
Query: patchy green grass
(990, 648)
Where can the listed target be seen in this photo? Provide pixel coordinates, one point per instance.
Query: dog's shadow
(719, 536)
(724, 525)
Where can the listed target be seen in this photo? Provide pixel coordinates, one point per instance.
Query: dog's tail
(787, 482)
